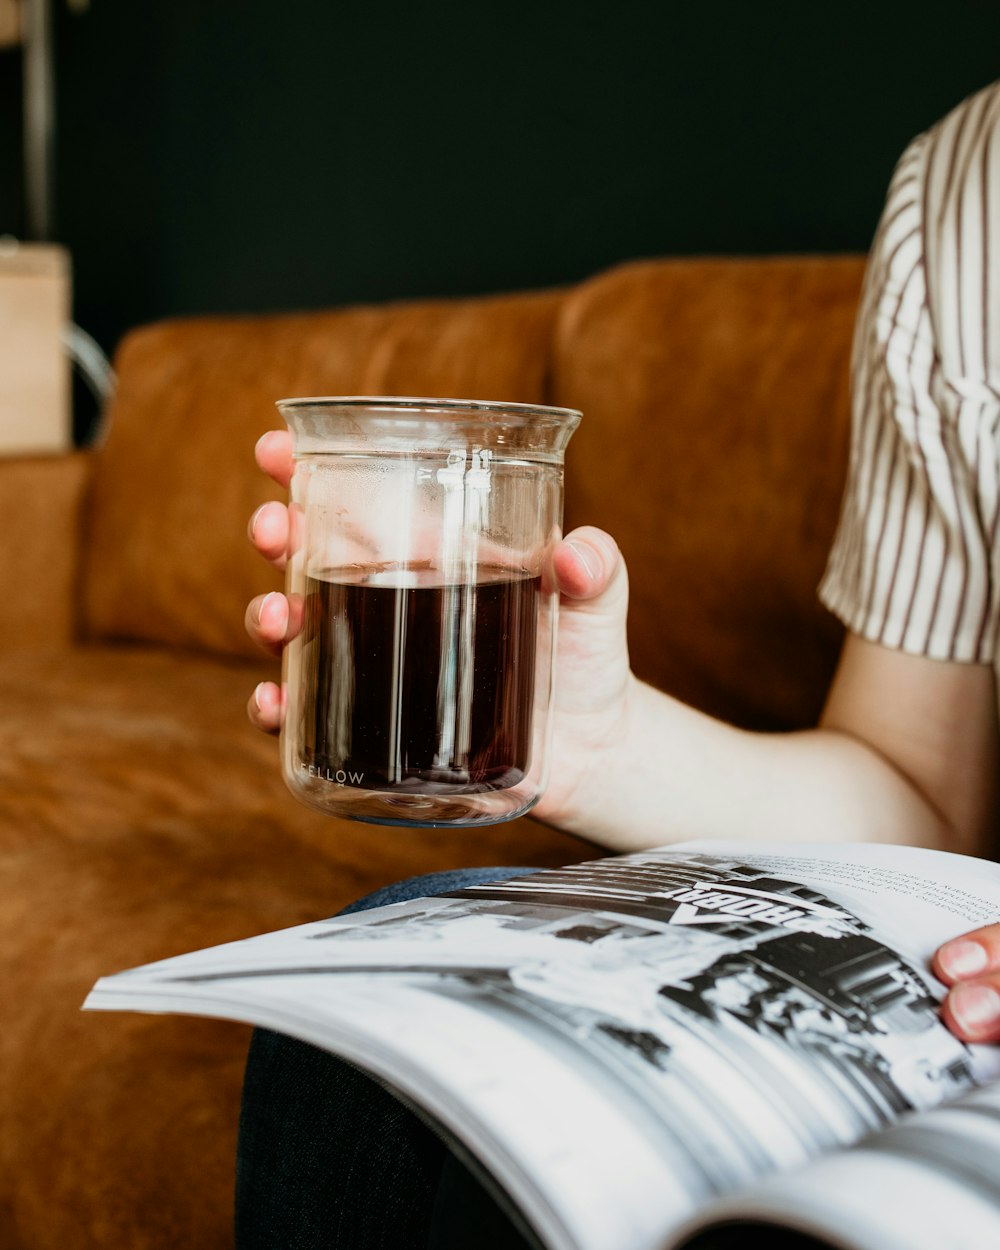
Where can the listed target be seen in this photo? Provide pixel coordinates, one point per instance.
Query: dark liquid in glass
(417, 686)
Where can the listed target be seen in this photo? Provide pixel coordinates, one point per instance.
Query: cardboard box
(35, 394)
(10, 23)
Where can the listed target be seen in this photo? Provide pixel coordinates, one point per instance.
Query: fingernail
(975, 1007)
(253, 520)
(257, 693)
(271, 594)
(267, 434)
(962, 958)
(587, 558)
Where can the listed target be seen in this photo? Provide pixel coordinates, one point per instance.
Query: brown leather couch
(140, 816)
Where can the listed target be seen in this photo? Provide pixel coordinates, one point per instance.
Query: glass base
(415, 810)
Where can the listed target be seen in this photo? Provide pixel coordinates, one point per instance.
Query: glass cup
(419, 689)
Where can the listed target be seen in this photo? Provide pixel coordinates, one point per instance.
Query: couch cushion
(166, 555)
(142, 817)
(713, 446)
(41, 500)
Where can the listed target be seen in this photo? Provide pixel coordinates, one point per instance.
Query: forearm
(673, 773)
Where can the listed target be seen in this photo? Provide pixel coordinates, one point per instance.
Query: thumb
(593, 650)
(593, 583)
(586, 563)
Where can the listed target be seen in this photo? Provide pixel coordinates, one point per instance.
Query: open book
(656, 1049)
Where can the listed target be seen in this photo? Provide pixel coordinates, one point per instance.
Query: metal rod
(39, 119)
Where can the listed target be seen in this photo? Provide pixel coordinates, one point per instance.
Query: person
(907, 746)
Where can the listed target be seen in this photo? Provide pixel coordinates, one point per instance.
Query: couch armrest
(40, 510)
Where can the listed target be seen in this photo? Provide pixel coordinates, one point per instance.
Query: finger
(971, 955)
(972, 1009)
(273, 454)
(585, 562)
(265, 707)
(269, 530)
(266, 621)
(273, 620)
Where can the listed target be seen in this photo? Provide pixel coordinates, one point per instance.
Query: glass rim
(405, 404)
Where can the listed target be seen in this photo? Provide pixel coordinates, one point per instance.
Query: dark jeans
(328, 1159)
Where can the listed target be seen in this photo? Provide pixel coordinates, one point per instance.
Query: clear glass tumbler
(419, 689)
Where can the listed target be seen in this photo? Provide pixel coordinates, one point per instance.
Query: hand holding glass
(419, 691)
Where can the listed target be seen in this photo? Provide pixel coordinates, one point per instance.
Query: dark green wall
(254, 154)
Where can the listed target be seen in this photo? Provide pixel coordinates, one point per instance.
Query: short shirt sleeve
(914, 563)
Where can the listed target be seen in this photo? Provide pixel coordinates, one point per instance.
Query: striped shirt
(915, 564)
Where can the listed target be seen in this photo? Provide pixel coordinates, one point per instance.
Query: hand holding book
(970, 966)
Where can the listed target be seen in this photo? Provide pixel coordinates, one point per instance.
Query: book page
(620, 1042)
(931, 1181)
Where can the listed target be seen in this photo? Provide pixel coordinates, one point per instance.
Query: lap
(430, 884)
